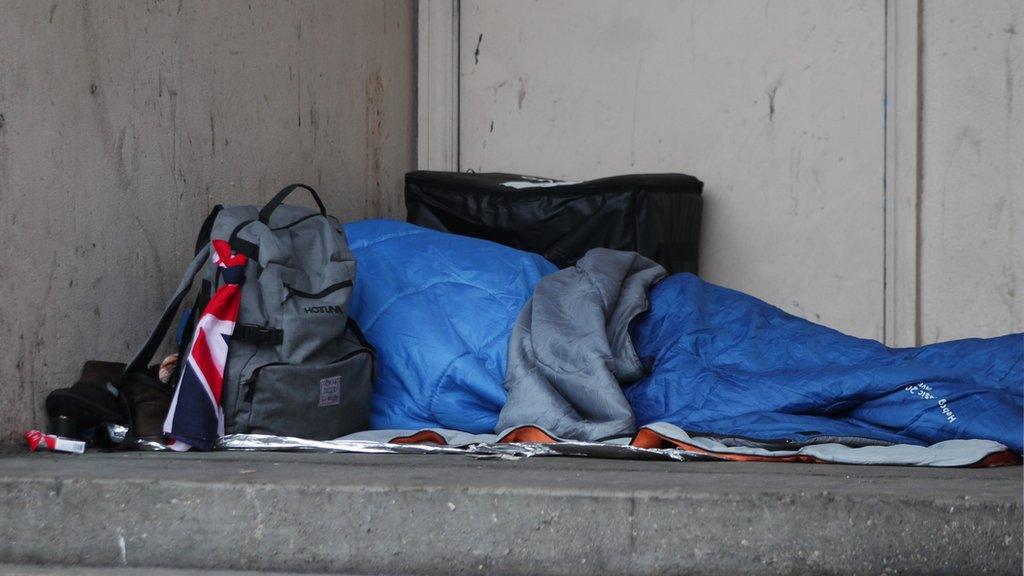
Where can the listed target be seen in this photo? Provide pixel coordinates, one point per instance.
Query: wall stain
(795, 157)
(374, 92)
(3, 161)
(636, 94)
(172, 94)
(314, 121)
(53, 9)
(298, 58)
(1009, 295)
(1011, 31)
(965, 135)
(521, 94)
(498, 86)
(771, 91)
(998, 209)
(15, 402)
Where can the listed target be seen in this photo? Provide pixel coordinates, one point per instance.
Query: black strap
(202, 251)
(242, 246)
(353, 327)
(198, 305)
(358, 333)
(257, 334)
(156, 337)
(279, 198)
(149, 381)
(207, 228)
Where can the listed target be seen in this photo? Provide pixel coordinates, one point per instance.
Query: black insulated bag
(657, 215)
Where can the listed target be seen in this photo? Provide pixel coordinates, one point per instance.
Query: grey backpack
(297, 365)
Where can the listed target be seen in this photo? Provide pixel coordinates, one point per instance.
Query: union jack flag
(196, 417)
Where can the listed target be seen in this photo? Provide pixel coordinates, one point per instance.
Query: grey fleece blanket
(570, 352)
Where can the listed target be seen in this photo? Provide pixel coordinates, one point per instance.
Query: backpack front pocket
(314, 322)
(317, 402)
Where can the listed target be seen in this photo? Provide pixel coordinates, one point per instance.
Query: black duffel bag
(657, 215)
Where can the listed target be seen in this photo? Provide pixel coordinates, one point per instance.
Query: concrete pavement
(456, 515)
(33, 570)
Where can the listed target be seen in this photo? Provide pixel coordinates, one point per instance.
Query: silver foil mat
(266, 443)
(118, 434)
(503, 451)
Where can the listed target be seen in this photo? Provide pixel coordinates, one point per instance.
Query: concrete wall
(775, 106)
(122, 123)
(779, 106)
(972, 196)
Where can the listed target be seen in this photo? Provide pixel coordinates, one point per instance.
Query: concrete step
(412, 514)
(35, 570)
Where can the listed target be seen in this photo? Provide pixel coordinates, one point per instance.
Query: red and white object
(37, 440)
(196, 417)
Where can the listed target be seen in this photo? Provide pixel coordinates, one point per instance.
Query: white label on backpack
(330, 391)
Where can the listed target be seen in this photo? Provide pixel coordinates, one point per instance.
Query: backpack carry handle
(279, 198)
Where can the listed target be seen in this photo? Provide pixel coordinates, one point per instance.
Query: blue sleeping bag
(439, 309)
(726, 363)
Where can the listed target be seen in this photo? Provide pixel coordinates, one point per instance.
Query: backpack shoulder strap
(156, 337)
(206, 229)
